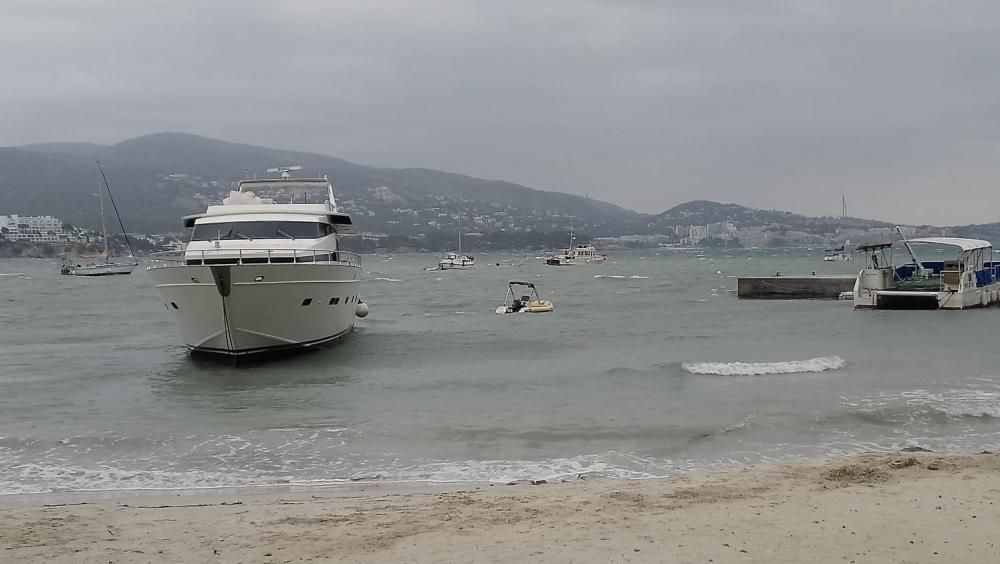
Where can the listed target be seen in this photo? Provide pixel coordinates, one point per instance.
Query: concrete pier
(793, 287)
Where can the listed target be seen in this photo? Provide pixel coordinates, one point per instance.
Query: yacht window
(260, 230)
(334, 301)
(307, 301)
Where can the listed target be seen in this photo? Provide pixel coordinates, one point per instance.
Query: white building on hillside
(34, 229)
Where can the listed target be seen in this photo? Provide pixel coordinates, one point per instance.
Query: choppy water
(648, 367)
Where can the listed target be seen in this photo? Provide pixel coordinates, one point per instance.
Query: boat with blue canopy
(970, 278)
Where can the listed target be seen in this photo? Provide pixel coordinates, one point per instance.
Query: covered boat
(968, 280)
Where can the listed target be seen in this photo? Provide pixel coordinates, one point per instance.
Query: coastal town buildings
(33, 229)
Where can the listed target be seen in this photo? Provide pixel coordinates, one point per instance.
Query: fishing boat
(457, 260)
(836, 255)
(261, 276)
(525, 303)
(970, 279)
(107, 267)
(575, 254)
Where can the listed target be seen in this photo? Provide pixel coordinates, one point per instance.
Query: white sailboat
(457, 260)
(108, 267)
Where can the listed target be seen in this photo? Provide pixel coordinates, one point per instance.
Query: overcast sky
(776, 104)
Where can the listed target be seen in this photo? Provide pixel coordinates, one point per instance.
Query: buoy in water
(361, 310)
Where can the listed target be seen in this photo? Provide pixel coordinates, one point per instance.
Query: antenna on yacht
(329, 189)
(284, 170)
(909, 249)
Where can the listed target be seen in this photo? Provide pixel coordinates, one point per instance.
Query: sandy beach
(899, 507)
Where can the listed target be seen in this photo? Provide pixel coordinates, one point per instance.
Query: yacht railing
(215, 257)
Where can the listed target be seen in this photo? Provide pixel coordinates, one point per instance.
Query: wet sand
(897, 507)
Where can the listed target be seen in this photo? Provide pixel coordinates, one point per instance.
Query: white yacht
(574, 255)
(836, 255)
(455, 261)
(260, 276)
(969, 280)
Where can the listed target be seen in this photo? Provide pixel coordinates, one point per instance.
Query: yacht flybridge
(969, 280)
(259, 275)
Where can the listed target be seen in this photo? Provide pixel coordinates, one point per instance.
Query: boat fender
(361, 310)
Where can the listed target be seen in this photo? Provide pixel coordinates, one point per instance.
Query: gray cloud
(784, 104)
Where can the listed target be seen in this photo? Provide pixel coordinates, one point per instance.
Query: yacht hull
(249, 309)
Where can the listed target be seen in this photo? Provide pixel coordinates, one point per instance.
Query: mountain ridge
(137, 168)
(159, 177)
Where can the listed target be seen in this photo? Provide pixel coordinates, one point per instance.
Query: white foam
(958, 402)
(388, 279)
(33, 478)
(819, 364)
(607, 465)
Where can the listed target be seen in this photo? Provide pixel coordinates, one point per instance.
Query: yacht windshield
(260, 230)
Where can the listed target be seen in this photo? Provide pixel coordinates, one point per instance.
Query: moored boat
(260, 276)
(575, 254)
(108, 267)
(527, 303)
(969, 280)
(836, 255)
(457, 260)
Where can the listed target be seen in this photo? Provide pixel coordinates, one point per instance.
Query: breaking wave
(819, 364)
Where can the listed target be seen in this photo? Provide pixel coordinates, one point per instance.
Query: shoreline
(874, 507)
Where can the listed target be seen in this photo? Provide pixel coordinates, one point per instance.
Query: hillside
(987, 231)
(157, 178)
(702, 212)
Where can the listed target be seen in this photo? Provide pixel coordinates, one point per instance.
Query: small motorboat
(530, 303)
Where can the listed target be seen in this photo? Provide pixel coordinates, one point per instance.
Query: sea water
(649, 366)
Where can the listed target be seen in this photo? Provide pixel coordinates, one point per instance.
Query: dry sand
(903, 507)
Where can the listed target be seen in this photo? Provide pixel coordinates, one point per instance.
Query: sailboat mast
(460, 227)
(104, 228)
(843, 201)
(115, 206)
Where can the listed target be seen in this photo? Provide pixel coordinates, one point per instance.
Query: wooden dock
(793, 287)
